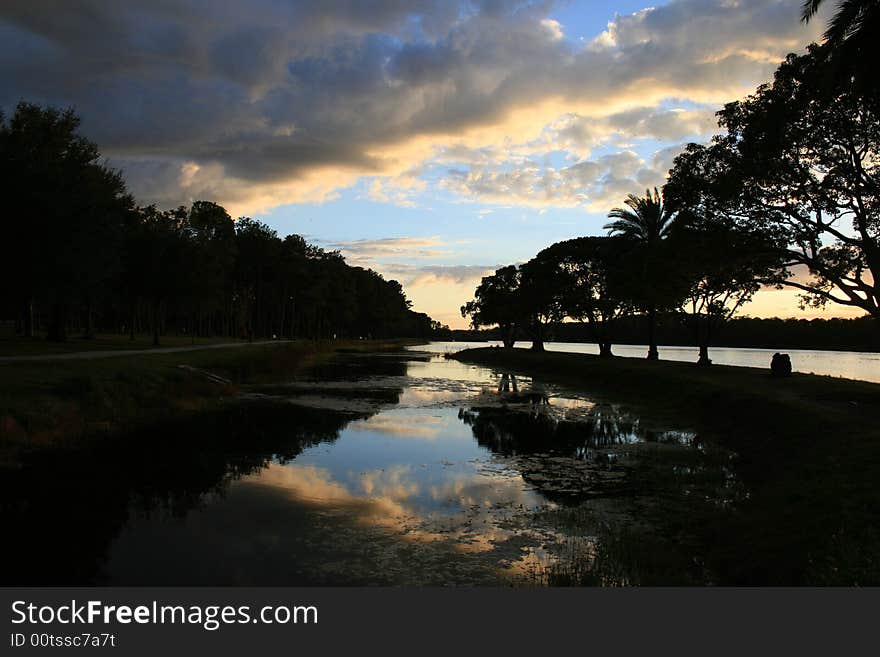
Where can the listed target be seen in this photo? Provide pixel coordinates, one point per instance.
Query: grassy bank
(676, 390)
(46, 404)
(808, 449)
(11, 345)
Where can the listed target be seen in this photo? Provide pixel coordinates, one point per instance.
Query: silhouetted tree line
(78, 254)
(700, 273)
(859, 334)
(790, 186)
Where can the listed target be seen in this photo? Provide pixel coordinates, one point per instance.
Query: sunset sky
(430, 140)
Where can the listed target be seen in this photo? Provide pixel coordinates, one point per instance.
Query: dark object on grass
(780, 365)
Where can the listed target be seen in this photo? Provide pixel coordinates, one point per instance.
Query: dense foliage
(857, 334)
(78, 254)
(800, 163)
(709, 272)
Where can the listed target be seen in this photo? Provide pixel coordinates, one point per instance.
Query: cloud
(595, 184)
(436, 289)
(441, 290)
(429, 428)
(389, 499)
(398, 257)
(426, 275)
(581, 134)
(400, 190)
(371, 253)
(433, 287)
(275, 102)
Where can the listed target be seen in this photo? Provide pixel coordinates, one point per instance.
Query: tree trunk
(58, 323)
(283, 313)
(29, 318)
(89, 330)
(605, 350)
(653, 353)
(538, 332)
(156, 323)
(508, 335)
(704, 360)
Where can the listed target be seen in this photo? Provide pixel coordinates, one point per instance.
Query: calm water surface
(400, 469)
(862, 365)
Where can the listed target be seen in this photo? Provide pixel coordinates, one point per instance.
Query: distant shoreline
(860, 334)
(519, 343)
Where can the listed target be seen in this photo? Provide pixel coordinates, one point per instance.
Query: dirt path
(112, 353)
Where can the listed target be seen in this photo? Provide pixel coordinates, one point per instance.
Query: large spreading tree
(800, 162)
(719, 267)
(596, 283)
(496, 303)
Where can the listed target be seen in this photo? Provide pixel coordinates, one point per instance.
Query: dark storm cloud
(197, 96)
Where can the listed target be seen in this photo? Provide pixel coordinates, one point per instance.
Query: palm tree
(853, 20)
(852, 39)
(647, 221)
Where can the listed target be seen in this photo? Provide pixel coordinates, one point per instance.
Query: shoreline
(47, 403)
(848, 349)
(661, 347)
(853, 365)
(652, 384)
(807, 447)
(117, 352)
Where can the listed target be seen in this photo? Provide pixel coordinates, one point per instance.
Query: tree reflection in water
(633, 500)
(542, 465)
(63, 510)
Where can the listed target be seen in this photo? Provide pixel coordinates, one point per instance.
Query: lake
(847, 364)
(400, 468)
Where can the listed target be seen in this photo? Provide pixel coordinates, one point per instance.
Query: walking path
(112, 353)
